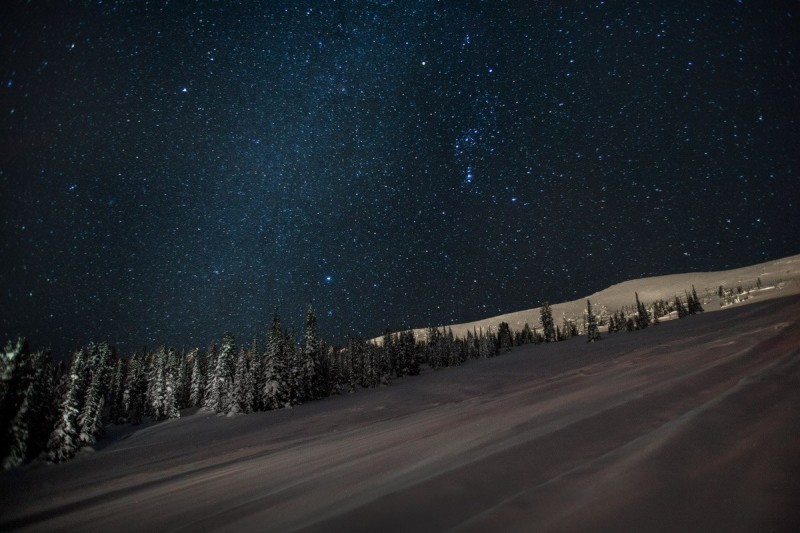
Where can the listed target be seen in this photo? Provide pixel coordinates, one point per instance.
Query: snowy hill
(692, 425)
(782, 273)
(673, 427)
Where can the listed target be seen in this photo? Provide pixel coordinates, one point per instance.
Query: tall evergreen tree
(695, 305)
(309, 364)
(505, 339)
(242, 395)
(220, 379)
(548, 325)
(592, 331)
(257, 374)
(65, 439)
(27, 433)
(135, 395)
(163, 386)
(101, 358)
(274, 392)
(642, 316)
(116, 393)
(407, 347)
(13, 383)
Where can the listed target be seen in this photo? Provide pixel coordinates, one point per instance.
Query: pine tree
(117, 392)
(242, 395)
(197, 388)
(13, 384)
(309, 365)
(183, 382)
(547, 323)
(101, 357)
(257, 374)
(65, 439)
(406, 345)
(221, 377)
(697, 305)
(273, 394)
(642, 316)
(592, 331)
(163, 381)
(504, 338)
(135, 395)
(295, 367)
(28, 430)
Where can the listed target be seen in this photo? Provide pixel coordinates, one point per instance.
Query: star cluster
(172, 171)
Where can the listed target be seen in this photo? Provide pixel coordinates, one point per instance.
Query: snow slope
(691, 425)
(784, 272)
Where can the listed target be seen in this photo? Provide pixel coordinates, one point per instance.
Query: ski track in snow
(690, 425)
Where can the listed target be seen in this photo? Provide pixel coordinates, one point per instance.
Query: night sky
(170, 172)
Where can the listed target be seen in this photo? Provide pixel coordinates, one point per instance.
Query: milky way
(168, 173)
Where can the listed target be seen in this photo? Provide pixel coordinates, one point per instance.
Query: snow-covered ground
(689, 425)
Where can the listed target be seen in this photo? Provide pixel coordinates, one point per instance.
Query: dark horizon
(172, 173)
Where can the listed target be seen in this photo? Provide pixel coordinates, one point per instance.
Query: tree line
(50, 409)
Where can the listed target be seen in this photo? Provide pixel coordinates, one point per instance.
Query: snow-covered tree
(13, 363)
(310, 362)
(221, 376)
(163, 385)
(242, 393)
(26, 434)
(273, 391)
(183, 384)
(116, 393)
(198, 381)
(65, 439)
(294, 369)
(135, 395)
(101, 357)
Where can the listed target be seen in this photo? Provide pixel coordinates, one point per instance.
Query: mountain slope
(692, 425)
(784, 272)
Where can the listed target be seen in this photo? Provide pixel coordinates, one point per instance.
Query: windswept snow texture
(693, 425)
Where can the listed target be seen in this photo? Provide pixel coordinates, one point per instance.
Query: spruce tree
(642, 316)
(548, 326)
(30, 427)
(117, 392)
(592, 331)
(163, 386)
(407, 347)
(14, 376)
(101, 358)
(504, 338)
(309, 367)
(135, 395)
(697, 305)
(273, 393)
(198, 384)
(220, 379)
(242, 395)
(64, 441)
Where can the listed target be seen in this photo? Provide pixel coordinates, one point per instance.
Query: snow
(786, 270)
(690, 425)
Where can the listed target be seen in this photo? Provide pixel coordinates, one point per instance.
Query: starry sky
(173, 170)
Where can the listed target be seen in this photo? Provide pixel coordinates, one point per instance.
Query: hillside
(691, 425)
(783, 272)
